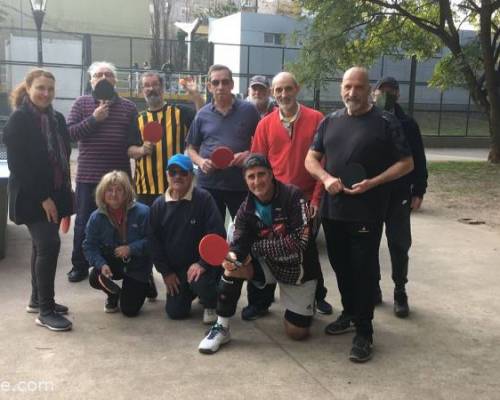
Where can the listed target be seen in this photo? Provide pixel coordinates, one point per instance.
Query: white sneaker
(216, 337)
(209, 316)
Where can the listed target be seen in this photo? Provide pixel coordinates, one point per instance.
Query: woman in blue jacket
(115, 245)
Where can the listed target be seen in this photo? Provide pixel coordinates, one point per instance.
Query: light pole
(38, 9)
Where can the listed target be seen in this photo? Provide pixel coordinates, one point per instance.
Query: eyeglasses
(106, 74)
(175, 172)
(223, 82)
(153, 86)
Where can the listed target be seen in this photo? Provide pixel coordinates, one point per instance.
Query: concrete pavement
(449, 348)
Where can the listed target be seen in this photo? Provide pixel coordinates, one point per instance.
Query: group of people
(284, 181)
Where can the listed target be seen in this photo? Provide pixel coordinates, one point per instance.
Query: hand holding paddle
(353, 176)
(152, 134)
(215, 250)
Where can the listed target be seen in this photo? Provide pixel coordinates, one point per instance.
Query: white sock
(223, 321)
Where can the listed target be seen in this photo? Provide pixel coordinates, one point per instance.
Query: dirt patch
(465, 191)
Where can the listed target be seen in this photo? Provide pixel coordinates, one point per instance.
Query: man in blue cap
(178, 221)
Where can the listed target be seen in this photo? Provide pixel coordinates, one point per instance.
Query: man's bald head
(285, 90)
(287, 76)
(355, 90)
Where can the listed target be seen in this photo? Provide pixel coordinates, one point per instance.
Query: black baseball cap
(256, 160)
(260, 80)
(387, 81)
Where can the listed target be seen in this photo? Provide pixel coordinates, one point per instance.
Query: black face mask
(386, 101)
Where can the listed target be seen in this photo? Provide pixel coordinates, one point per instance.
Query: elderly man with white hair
(107, 136)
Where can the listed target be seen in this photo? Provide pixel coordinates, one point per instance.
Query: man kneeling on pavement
(273, 242)
(178, 221)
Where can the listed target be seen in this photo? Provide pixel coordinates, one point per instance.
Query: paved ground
(449, 348)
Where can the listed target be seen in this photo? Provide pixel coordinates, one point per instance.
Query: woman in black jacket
(40, 194)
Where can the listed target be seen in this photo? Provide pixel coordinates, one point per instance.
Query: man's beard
(153, 100)
(353, 105)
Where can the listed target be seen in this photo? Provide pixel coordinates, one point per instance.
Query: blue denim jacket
(100, 234)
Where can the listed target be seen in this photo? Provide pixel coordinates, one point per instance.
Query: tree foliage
(348, 32)
(217, 11)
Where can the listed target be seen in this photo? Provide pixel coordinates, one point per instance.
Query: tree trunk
(494, 155)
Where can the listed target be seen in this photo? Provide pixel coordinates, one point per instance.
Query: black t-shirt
(376, 141)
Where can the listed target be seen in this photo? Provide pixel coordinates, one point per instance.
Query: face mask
(386, 101)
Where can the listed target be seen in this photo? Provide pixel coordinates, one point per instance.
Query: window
(273, 38)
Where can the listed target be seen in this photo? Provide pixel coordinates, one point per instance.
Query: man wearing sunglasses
(178, 221)
(229, 122)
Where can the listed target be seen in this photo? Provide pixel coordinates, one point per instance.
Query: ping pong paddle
(108, 284)
(64, 224)
(213, 249)
(104, 90)
(222, 157)
(153, 132)
(352, 173)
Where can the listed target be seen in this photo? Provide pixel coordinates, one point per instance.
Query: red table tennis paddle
(222, 157)
(352, 173)
(213, 249)
(104, 90)
(64, 224)
(153, 132)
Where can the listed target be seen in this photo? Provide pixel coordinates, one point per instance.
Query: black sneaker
(401, 308)
(77, 274)
(35, 309)
(362, 349)
(111, 305)
(323, 307)
(152, 292)
(342, 324)
(251, 312)
(54, 322)
(377, 297)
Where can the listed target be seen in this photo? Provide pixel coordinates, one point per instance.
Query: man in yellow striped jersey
(149, 175)
(150, 179)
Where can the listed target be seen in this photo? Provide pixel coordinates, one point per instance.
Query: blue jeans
(85, 205)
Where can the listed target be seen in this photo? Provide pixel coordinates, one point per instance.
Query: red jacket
(287, 154)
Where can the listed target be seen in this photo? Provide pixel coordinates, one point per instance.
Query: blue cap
(182, 161)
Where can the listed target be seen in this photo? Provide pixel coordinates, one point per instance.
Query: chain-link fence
(68, 55)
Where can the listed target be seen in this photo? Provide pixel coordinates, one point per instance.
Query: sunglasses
(223, 82)
(175, 172)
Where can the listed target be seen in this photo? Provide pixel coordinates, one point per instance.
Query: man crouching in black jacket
(273, 241)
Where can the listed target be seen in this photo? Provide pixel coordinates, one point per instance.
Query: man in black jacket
(407, 194)
(273, 241)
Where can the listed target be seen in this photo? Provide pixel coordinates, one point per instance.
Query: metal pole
(413, 82)
(38, 17)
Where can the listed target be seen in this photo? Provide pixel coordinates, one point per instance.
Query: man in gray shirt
(229, 122)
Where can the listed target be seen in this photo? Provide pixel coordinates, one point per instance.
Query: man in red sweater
(284, 137)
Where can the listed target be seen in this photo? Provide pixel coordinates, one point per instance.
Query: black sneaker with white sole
(362, 349)
(343, 324)
(54, 322)
(35, 309)
(111, 305)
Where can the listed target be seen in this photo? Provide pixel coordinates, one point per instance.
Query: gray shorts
(296, 298)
